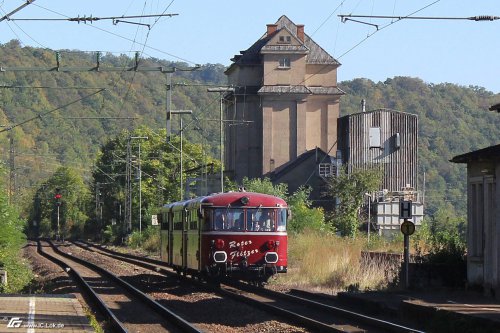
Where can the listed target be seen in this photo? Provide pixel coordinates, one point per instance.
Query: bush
(12, 240)
(151, 240)
(148, 241)
(444, 237)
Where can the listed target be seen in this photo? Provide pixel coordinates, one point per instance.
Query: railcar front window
(261, 219)
(249, 219)
(229, 219)
(282, 214)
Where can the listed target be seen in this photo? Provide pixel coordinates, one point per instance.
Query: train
(238, 235)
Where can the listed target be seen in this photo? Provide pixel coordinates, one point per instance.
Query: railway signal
(58, 196)
(407, 229)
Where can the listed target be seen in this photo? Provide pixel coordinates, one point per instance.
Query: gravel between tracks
(208, 311)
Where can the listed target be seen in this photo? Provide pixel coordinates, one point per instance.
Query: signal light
(270, 244)
(58, 196)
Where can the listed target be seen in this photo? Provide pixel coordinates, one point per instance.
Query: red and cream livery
(235, 234)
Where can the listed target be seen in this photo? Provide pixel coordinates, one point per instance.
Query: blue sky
(456, 51)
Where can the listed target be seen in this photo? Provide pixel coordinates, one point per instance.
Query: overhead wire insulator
(484, 18)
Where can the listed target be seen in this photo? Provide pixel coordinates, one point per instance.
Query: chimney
(363, 105)
(271, 29)
(300, 32)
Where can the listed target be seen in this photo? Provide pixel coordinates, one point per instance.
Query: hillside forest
(75, 119)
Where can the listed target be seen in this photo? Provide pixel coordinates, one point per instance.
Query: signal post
(407, 228)
(58, 197)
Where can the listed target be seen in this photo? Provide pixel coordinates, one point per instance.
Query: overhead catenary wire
(126, 38)
(91, 18)
(40, 115)
(347, 17)
(7, 16)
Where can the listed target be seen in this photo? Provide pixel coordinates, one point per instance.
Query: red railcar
(235, 234)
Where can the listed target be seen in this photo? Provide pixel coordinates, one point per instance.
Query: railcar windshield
(247, 219)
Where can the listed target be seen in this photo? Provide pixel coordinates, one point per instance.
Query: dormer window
(285, 39)
(284, 63)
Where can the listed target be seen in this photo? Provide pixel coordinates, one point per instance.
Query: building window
(284, 63)
(285, 39)
(326, 169)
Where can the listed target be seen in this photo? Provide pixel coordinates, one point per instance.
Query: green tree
(349, 189)
(12, 239)
(160, 176)
(445, 235)
(73, 205)
(304, 216)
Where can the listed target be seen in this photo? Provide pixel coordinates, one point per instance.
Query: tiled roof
(316, 54)
(285, 48)
(284, 90)
(326, 91)
(300, 89)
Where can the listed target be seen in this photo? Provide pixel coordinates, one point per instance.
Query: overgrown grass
(325, 261)
(332, 263)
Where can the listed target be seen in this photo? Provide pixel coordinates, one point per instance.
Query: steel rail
(152, 264)
(160, 309)
(115, 324)
(358, 317)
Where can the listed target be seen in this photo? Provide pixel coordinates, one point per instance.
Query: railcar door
(163, 220)
(177, 239)
(170, 217)
(192, 240)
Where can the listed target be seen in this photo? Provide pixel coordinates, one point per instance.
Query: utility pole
(140, 181)
(12, 170)
(168, 125)
(221, 90)
(180, 112)
(128, 192)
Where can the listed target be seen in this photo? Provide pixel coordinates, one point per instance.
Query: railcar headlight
(270, 244)
(219, 244)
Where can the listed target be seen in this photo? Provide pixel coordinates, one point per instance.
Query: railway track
(307, 311)
(319, 312)
(118, 300)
